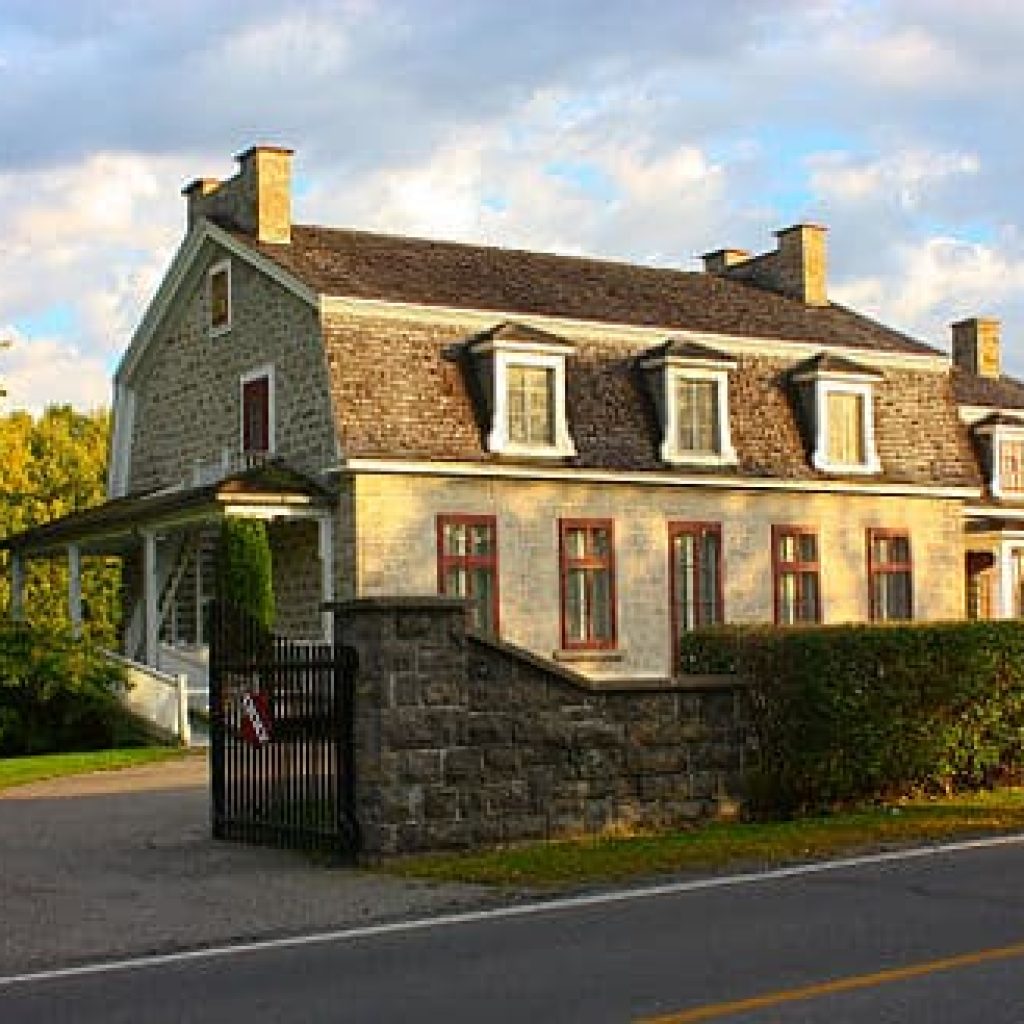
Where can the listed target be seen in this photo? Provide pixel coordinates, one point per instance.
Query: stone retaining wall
(461, 742)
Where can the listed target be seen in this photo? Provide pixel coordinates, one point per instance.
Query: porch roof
(266, 491)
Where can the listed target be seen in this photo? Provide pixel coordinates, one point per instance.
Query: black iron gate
(281, 737)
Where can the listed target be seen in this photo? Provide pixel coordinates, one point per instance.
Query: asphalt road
(947, 928)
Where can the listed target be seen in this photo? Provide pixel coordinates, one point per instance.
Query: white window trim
(498, 440)
(670, 450)
(222, 266)
(1001, 433)
(823, 387)
(267, 370)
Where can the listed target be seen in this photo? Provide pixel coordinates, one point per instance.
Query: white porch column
(75, 589)
(1006, 595)
(17, 587)
(325, 527)
(151, 598)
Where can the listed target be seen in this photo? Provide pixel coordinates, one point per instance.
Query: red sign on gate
(256, 721)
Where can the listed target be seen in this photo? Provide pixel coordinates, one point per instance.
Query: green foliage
(245, 570)
(58, 694)
(844, 713)
(50, 466)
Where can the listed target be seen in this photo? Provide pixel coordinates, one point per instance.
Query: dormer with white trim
(521, 377)
(838, 400)
(689, 385)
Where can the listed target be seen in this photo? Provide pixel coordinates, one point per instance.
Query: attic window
(839, 402)
(1004, 441)
(690, 388)
(521, 373)
(219, 294)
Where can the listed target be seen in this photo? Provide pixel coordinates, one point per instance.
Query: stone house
(596, 455)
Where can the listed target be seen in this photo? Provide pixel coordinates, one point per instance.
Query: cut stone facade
(460, 742)
(397, 554)
(188, 391)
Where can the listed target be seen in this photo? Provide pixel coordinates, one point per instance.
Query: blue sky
(643, 131)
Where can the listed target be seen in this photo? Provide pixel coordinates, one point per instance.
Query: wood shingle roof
(361, 264)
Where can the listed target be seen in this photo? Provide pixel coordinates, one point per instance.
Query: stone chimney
(257, 200)
(719, 261)
(976, 346)
(798, 267)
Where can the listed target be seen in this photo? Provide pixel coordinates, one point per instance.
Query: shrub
(844, 713)
(245, 570)
(58, 694)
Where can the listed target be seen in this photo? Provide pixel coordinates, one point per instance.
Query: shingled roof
(360, 264)
(990, 392)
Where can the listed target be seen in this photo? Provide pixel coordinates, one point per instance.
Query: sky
(647, 130)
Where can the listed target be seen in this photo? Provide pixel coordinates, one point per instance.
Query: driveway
(119, 863)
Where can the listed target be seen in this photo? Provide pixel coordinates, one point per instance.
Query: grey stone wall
(460, 742)
(188, 388)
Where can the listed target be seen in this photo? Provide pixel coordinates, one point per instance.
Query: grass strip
(719, 845)
(18, 771)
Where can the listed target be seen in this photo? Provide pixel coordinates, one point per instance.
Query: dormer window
(218, 284)
(690, 387)
(521, 377)
(838, 401)
(1003, 439)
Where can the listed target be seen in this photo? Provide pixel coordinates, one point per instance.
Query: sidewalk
(117, 863)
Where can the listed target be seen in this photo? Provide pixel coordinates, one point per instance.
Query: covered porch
(994, 552)
(167, 539)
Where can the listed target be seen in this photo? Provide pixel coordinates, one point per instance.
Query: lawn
(16, 771)
(720, 845)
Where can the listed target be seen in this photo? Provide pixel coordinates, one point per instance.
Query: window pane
(808, 547)
(454, 539)
(787, 547)
(482, 608)
(684, 570)
(480, 540)
(575, 543)
(787, 598)
(576, 605)
(599, 541)
(531, 405)
(697, 410)
(707, 582)
(807, 607)
(1011, 465)
(845, 428)
(456, 581)
(219, 298)
(601, 610)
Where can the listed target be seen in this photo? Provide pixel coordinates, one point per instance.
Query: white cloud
(37, 372)
(904, 177)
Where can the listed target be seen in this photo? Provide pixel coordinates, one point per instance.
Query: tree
(53, 465)
(245, 569)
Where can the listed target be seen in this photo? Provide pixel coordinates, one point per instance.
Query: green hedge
(245, 570)
(57, 694)
(846, 713)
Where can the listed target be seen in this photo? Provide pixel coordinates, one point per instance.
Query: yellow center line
(715, 1011)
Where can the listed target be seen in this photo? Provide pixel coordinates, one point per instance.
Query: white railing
(212, 471)
(155, 696)
(194, 664)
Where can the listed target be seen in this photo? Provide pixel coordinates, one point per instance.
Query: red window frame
(256, 389)
(592, 561)
(469, 562)
(697, 530)
(878, 568)
(797, 567)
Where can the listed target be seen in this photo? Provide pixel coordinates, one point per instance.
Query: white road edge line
(515, 910)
